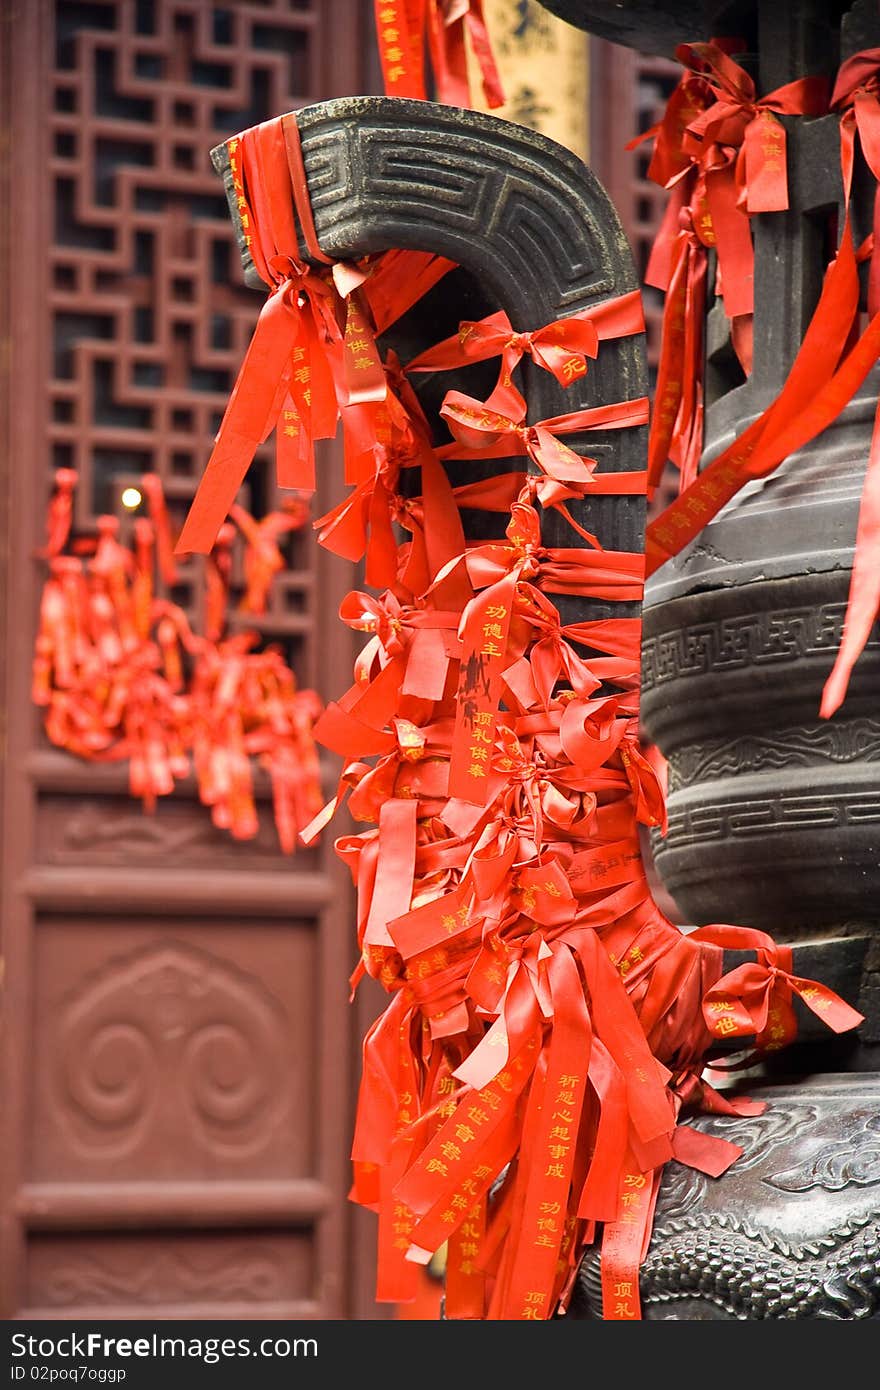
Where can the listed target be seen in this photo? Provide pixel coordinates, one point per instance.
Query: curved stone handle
(535, 234)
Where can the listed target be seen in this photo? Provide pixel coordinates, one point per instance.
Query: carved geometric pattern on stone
(519, 214)
(150, 317)
(748, 816)
(459, 186)
(751, 639)
(807, 745)
(173, 1029)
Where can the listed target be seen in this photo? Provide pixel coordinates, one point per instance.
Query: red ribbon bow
(561, 347)
(489, 433)
(740, 120)
(756, 998)
(732, 148)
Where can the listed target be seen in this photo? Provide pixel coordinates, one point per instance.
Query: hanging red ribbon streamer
(313, 354)
(721, 151)
(857, 95)
(405, 27)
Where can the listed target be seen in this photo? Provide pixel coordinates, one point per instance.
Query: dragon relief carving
(706, 1264)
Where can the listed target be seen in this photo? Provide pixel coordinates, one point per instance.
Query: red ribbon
(857, 95)
(676, 431)
(739, 146)
(59, 515)
(312, 351)
(755, 999)
(158, 507)
(561, 347)
(565, 474)
(721, 150)
(403, 27)
(121, 676)
(263, 556)
(828, 370)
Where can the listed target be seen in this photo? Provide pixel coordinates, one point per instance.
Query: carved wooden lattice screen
(178, 1042)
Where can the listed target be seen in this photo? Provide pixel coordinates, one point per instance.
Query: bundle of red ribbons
(721, 151)
(406, 29)
(548, 1027)
(123, 677)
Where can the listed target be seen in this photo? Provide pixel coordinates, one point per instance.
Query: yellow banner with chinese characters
(543, 64)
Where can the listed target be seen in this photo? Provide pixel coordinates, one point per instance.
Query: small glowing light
(131, 498)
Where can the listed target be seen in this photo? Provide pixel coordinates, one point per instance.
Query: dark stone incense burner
(791, 1231)
(774, 814)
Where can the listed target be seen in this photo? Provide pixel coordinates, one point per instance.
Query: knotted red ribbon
(481, 430)
(561, 347)
(739, 146)
(313, 351)
(722, 152)
(754, 1000)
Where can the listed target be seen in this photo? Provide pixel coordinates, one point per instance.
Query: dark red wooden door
(179, 1052)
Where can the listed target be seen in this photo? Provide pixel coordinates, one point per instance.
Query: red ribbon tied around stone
(523, 1090)
(293, 366)
(313, 355)
(561, 348)
(755, 999)
(563, 473)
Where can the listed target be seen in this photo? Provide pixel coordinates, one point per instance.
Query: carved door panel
(179, 1053)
